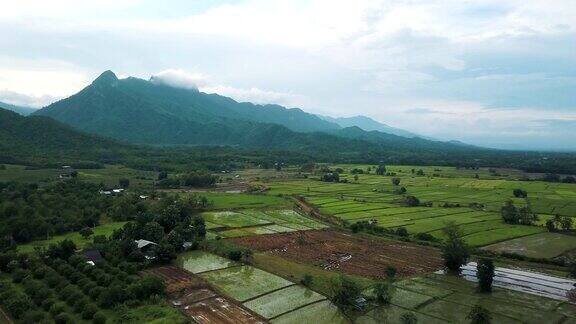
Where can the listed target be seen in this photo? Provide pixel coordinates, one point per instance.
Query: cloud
(181, 79)
(19, 99)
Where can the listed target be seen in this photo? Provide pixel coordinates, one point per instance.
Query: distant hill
(37, 139)
(369, 124)
(24, 111)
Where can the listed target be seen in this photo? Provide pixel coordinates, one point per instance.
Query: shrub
(390, 272)
(234, 255)
(89, 311)
(57, 308)
(99, 318)
(63, 318)
(408, 318)
(519, 193)
(411, 201)
(425, 237)
(479, 315)
(307, 280)
(402, 232)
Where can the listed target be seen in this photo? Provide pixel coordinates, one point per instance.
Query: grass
(104, 229)
(238, 200)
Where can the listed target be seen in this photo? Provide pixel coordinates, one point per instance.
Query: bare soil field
(199, 301)
(333, 250)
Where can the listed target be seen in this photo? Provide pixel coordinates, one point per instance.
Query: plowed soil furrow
(333, 250)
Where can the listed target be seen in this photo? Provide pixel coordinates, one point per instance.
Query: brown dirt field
(333, 250)
(198, 300)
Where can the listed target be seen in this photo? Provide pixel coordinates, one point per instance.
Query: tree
(86, 232)
(550, 225)
(408, 318)
(420, 172)
(345, 291)
(519, 193)
(164, 253)
(124, 183)
(508, 212)
(330, 177)
(162, 175)
(479, 315)
(383, 292)
(356, 177)
(395, 181)
(454, 251)
(485, 274)
(411, 201)
(566, 223)
(381, 170)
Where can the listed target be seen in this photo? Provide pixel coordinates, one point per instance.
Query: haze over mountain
(369, 124)
(24, 111)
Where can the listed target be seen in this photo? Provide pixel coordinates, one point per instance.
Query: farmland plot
(332, 250)
(247, 222)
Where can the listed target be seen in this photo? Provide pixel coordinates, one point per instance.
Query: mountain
(150, 112)
(36, 138)
(24, 111)
(368, 124)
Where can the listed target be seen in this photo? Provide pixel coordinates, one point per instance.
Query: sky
(496, 73)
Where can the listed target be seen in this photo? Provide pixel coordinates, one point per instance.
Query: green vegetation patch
(104, 229)
(283, 301)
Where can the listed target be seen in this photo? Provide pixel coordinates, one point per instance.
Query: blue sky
(487, 72)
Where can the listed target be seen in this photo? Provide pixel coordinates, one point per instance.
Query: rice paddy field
(455, 195)
(268, 295)
(435, 298)
(247, 222)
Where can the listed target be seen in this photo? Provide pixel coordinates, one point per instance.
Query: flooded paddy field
(271, 297)
(437, 298)
(333, 250)
(199, 301)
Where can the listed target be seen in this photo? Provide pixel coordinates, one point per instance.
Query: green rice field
(455, 196)
(246, 222)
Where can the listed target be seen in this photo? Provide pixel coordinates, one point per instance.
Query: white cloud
(19, 99)
(181, 79)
